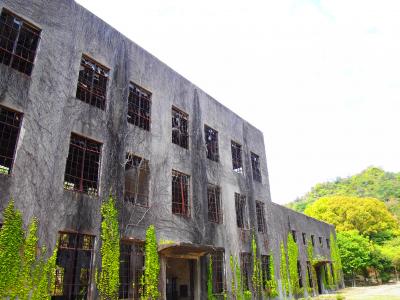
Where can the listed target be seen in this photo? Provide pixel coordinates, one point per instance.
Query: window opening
(300, 274)
(211, 137)
(245, 259)
(18, 42)
(214, 204)
(265, 269)
(310, 281)
(83, 165)
(131, 270)
(312, 240)
(10, 124)
(240, 205)
(294, 236)
(92, 83)
(260, 216)
(137, 178)
(139, 106)
(304, 238)
(180, 194)
(180, 135)
(328, 244)
(255, 165)
(320, 241)
(218, 272)
(237, 157)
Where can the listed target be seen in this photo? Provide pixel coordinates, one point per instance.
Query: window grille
(260, 216)
(18, 42)
(255, 165)
(137, 178)
(211, 137)
(180, 135)
(240, 205)
(130, 270)
(237, 157)
(139, 107)
(246, 261)
(180, 194)
(218, 272)
(214, 204)
(265, 269)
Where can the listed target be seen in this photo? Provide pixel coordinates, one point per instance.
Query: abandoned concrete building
(85, 112)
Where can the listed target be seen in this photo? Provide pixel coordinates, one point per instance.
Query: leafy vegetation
(293, 256)
(370, 183)
(283, 272)
(108, 278)
(24, 269)
(151, 266)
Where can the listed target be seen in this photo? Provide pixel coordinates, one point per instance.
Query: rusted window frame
(256, 167)
(143, 168)
(180, 129)
(87, 91)
(76, 249)
(211, 140)
(260, 213)
(241, 206)
(218, 271)
(214, 204)
(16, 60)
(181, 207)
(139, 106)
(91, 191)
(11, 128)
(237, 157)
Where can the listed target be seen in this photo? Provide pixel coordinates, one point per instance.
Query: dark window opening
(260, 216)
(294, 236)
(240, 205)
(180, 135)
(312, 240)
(137, 178)
(304, 238)
(139, 106)
(255, 165)
(237, 157)
(211, 137)
(183, 290)
(300, 274)
(130, 270)
(328, 244)
(18, 42)
(310, 281)
(92, 83)
(246, 262)
(180, 194)
(83, 165)
(218, 272)
(214, 204)
(10, 123)
(265, 269)
(320, 241)
(73, 266)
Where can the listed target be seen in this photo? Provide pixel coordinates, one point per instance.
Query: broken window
(18, 42)
(294, 236)
(180, 121)
(73, 266)
(83, 165)
(240, 205)
(245, 263)
(180, 194)
(139, 106)
(299, 274)
(260, 216)
(237, 157)
(10, 123)
(265, 269)
(137, 178)
(218, 284)
(92, 83)
(130, 270)
(304, 238)
(211, 137)
(214, 204)
(255, 165)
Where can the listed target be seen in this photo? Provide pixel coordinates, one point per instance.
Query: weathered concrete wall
(51, 113)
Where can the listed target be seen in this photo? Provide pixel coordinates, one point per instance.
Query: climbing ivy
(293, 256)
(11, 243)
(271, 284)
(329, 280)
(151, 266)
(256, 277)
(24, 271)
(310, 255)
(236, 281)
(107, 279)
(336, 261)
(283, 272)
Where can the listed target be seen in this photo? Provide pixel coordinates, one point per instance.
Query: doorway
(180, 279)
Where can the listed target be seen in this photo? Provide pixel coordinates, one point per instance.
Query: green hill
(372, 182)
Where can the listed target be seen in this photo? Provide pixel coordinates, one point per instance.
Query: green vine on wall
(151, 266)
(256, 277)
(283, 272)
(24, 271)
(293, 256)
(271, 284)
(107, 279)
(310, 255)
(336, 261)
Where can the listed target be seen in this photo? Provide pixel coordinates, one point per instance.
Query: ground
(381, 292)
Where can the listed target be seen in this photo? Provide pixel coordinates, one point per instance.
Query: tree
(366, 215)
(108, 278)
(391, 249)
(354, 251)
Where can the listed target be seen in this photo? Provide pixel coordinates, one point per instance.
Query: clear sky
(320, 78)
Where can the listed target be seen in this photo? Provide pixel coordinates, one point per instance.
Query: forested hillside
(372, 182)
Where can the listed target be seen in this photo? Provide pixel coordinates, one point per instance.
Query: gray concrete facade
(51, 113)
